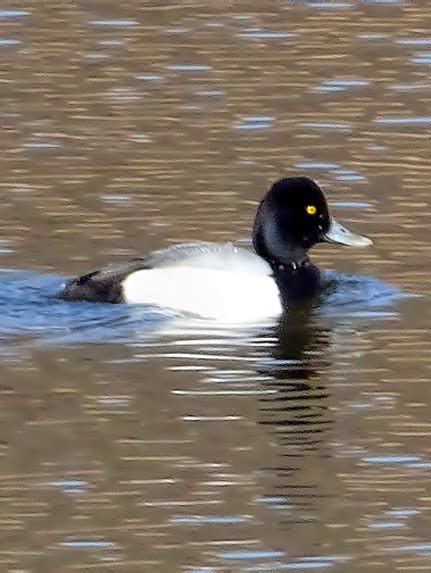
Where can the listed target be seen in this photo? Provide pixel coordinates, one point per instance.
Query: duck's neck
(291, 261)
(296, 277)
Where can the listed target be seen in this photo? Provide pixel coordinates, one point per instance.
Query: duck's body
(225, 282)
(231, 278)
(215, 280)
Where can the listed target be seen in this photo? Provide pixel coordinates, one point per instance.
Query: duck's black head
(292, 217)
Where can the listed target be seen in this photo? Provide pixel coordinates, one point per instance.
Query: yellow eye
(311, 209)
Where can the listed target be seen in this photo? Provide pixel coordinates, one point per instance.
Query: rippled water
(135, 439)
(29, 304)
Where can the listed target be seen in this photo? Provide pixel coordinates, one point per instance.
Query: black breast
(297, 284)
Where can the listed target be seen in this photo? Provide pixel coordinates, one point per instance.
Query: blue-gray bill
(339, 234)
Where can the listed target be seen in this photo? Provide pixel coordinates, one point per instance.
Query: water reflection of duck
(226, 282)
(300, 356)
(297, 414)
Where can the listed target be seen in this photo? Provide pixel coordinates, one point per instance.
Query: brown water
(130, 126)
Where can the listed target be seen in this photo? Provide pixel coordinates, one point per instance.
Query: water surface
(137, 440)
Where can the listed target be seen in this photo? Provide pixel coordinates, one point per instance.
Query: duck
(226, 282)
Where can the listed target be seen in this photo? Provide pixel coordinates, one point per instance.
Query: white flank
(210, 293)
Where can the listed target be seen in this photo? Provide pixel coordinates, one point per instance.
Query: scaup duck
(225, 282)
